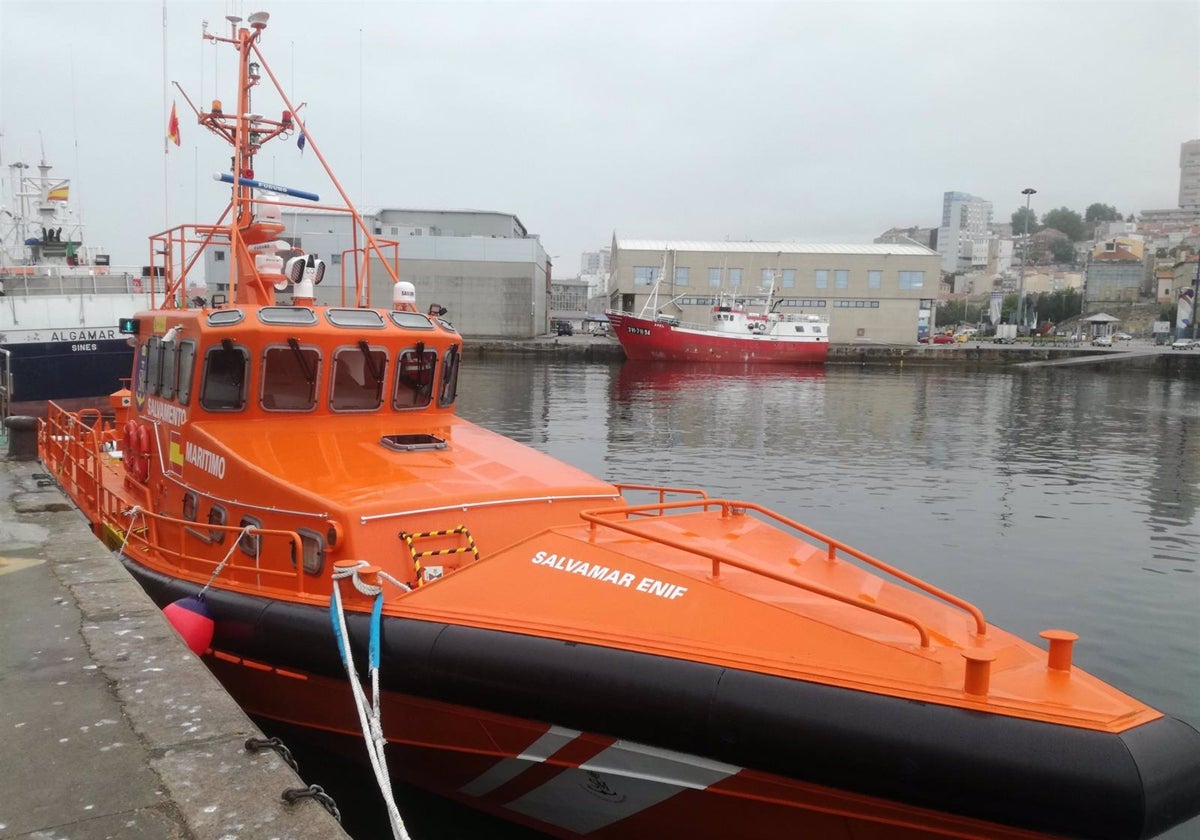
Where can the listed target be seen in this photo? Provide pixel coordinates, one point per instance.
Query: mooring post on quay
(22, 437)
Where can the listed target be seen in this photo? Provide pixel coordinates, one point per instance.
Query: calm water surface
(1050, 498)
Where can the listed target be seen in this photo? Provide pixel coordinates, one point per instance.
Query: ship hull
(65, 347)
(644, 339)
(582, 740)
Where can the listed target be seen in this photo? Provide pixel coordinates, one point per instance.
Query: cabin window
(155, 366)
(312, 547)
(143, 368)
(187, 362)
(449, 386)
(250, 544)
(191, 505)
(414, 377)
(359, 373)
(355, 318)
(223, 387)
(290, 374)
(217, 516)
(410, 320)
(170, 358)
(799, 328)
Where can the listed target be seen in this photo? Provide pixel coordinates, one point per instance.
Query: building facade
(1189, 176)
(870, 293)
(484, 267)
(964, 232)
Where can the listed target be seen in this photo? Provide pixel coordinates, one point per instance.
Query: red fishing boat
(291, 483)
(733, 334)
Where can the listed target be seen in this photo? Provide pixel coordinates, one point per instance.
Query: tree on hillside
(1097, 214)
(1018, 222)
(1063, 251)
(1066, 220)
(1059, 306)
(1101, 213)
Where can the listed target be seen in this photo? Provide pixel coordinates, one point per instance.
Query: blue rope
(337, 629)
(376, 615)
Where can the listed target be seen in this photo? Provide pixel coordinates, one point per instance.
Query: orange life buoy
(129, 435)
(143, 452)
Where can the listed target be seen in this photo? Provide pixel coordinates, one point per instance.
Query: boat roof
(889, 248)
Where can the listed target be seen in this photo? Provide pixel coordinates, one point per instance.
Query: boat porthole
(191, 505)
(217, 516)
(250, 544)
(333, 536)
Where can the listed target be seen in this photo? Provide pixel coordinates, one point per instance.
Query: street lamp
(1027, 192)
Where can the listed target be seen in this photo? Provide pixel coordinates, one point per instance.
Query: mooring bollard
(22, 438)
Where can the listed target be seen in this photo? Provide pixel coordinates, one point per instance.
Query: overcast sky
(818, 122)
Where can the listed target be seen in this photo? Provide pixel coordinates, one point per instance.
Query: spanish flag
(173, 126)
(59, 193)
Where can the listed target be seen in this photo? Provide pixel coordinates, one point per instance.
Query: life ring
(143, 450)
(128, 440)
(136, 454)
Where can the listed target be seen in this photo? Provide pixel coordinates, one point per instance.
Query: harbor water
(1049, 498)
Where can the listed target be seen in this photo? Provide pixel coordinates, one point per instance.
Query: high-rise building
(965, 230)
(594, 267)
(1189, 175)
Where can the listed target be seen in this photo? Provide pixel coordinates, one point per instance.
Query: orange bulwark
(589, 659)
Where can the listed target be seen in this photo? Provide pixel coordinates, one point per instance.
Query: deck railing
(76, 447)
(617, 519)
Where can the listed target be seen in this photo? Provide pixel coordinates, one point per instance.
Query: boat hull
(93, 366)
(645, 339)
(689, 741)
(66, 346)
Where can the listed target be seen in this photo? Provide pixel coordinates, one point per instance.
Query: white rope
(132, 513)
(244, 532)
(369, 719)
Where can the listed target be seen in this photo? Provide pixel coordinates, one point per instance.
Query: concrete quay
(1141, 354)
(109, 726)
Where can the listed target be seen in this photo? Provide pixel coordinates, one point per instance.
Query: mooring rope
(369, 717)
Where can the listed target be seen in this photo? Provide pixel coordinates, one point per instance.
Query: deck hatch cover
(412, 443)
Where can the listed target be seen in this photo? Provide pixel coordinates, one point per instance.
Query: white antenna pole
(165, 117)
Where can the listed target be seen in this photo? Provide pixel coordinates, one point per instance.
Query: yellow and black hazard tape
(410, 540)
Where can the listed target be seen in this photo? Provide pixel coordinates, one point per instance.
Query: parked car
(1123, 337)
(564, 328)
(1102, 341)
(1184, 344)
(943, 339)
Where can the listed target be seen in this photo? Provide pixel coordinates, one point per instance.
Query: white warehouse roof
(771, 247)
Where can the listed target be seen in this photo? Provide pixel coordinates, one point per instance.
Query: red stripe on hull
(444, 748)
(646, 340)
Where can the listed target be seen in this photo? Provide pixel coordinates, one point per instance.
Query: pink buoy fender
(192, 620)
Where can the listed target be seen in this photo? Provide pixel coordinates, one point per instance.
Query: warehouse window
(821, 276)
(874, 278)
(645, 275)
